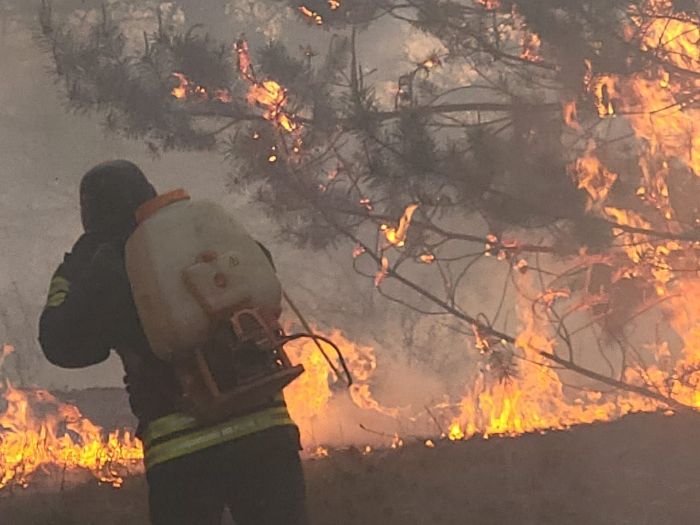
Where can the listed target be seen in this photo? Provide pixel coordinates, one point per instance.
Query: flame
(397, 236)
(188, 90)
(591, 175)
(659, 109)
(531, 400)
(310, 398)
(180, 91)
(273, 97)
(635, 247)
(605, 91)
(243, 59)
(267, 94)
(662, 106)
(37, 432)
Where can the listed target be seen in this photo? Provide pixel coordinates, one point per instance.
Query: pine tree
(523, 124)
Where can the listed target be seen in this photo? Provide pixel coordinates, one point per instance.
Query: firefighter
(249, 463)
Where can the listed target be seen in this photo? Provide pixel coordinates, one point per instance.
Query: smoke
(45, 150)
(422, 361)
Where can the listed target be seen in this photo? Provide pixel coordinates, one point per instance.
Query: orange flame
(591, 175)
(187, 90)
(37, 432)
(267, 94)
(397, 236)
(605, 91)
(310, 398)
(312, 15)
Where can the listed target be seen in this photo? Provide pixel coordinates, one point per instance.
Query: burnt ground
(641, 470)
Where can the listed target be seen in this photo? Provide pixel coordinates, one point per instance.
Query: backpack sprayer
(210, 301)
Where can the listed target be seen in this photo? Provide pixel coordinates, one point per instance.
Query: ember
(188, 90)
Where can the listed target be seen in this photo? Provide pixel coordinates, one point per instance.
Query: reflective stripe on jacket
(177, 435)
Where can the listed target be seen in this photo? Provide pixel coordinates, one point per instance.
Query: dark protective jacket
(90, 309)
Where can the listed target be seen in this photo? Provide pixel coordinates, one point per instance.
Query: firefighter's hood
(110, 193)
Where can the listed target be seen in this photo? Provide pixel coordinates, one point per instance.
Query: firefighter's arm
(72, 328)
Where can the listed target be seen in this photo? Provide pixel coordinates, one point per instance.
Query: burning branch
(606, 180)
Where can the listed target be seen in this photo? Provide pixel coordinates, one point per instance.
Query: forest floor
(641, 470)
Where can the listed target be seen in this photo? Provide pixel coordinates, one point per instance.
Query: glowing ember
(320, 453)
(531, 47)
(382, 273)
(396, 442)
(243, 59)
(311, 15)
(491, 5)
(188, 90)
(431, 63)
(357, 251)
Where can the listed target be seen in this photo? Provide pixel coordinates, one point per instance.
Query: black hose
(315, 337)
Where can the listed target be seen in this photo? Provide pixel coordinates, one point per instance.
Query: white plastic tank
(190, 263)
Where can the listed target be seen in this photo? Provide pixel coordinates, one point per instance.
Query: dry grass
(644, 469)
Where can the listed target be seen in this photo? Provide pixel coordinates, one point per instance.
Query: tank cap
(149, 208)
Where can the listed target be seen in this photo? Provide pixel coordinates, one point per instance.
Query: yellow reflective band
(212, 436)
(56, 299)
(178, 422)
(58, 291)
(59, 284)
(168, 425)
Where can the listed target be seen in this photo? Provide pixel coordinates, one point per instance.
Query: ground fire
(526, 198)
